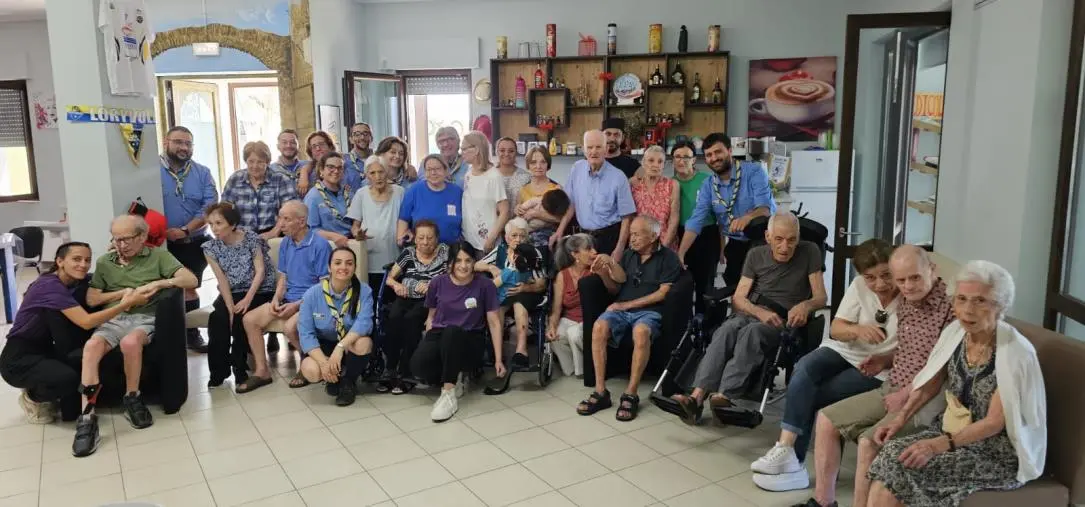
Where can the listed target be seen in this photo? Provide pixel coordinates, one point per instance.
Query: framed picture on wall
(329, 119)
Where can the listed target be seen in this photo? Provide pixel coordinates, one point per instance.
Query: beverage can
(551, 40)
(655, 38)
(502, 47)
(713, 38)
(612, 39)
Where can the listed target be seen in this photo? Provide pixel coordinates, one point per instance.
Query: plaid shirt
(259, 207)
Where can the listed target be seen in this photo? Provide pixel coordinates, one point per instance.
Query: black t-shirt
(627, 164)
(644, 279)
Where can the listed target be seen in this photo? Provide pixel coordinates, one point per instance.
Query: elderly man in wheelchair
(781, 286)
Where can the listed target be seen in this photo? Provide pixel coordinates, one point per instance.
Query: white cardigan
(1020, 386)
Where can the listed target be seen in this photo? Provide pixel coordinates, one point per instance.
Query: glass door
(892, 173)
(194, 105)
(376, 99)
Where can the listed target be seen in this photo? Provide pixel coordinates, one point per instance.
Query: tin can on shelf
(502, 47)
(713, 38)
(655, 38)
(551, 40)
(612, 39)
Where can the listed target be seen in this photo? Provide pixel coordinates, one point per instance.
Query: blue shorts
(622, 323)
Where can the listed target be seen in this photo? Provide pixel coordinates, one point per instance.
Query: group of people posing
(452, 248)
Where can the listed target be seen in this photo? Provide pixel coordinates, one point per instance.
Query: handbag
(956, 416)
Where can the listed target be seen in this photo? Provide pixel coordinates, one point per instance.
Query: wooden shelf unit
(927, 125)
(923, 207)
(580, 75)
(920, 167)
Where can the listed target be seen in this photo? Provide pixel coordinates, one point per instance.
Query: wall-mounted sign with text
(928, 105)
(101, 114)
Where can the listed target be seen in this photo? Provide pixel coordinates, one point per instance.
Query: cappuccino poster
(793, 99)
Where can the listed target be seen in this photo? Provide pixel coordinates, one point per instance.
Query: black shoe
(273, 343)
(813, 503)
(86, 436)
(136, 411)
(196, 342)
(520, 361)
(332, 388)
(346, 394)
(215, 381)
(240, 377)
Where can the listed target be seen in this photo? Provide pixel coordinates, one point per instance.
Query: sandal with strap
(628, 406)
(691, 410)
(596, 401)
(298, 381)
(251, 384)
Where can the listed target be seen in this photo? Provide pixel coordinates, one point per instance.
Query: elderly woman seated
(522, 290)
(993, 434)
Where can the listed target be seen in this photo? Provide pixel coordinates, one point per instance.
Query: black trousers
(606, 239)
(45, 373)
(190, 255)
(735, 252)
(444, 353)
(228, 347)
(701, 259)
(402, 332)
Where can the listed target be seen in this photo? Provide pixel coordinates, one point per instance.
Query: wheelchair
(794, 343)
(542, 359)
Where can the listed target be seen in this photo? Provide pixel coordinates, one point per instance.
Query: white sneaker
(445, 407)
(780, 459)
(782, 482)
(462, 384)
(36, 413)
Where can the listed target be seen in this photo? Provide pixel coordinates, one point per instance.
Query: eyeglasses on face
(124, 240)
(333, 167)
(180, 142)
(318, 146)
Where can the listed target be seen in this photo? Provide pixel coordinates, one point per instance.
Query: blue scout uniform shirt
(303, 263)
(316, 319)
(354, 171)
(289, 170)
(186, 193)
(715, 196)
(328, 209)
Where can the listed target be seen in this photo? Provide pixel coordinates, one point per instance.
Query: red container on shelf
(551, 40)
(586, 46)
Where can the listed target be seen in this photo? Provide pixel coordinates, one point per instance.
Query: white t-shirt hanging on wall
(128, 35)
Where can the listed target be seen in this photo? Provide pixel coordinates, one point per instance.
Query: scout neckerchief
(328, 201)
(338, 313)
(454, 167)
(291, 170)
(357, 161)
(729, 204)
(178, 177)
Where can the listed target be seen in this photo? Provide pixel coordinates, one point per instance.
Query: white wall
(26, 56)
(1003, 114)
(338, 28)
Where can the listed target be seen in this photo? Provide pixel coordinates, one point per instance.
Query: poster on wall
(928, 105)
(793, 99)
(328, 121)
(45, 110)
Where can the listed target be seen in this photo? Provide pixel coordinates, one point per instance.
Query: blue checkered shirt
(259, 207)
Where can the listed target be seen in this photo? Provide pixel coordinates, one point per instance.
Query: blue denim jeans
(622, 324)
(820, 379)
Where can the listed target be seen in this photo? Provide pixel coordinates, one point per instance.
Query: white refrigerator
(814, 185)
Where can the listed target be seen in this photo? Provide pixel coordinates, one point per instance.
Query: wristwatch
(952, 444)
(184, 229)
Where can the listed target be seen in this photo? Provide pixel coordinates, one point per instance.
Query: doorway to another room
(224, 112)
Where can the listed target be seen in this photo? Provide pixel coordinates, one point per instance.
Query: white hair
(653, 224)
(782, 218)
(588, 133)
(992, 275)
(374, 160)
(514, 224)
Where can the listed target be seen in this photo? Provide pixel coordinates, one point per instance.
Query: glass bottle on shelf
(539, 80)
(550, 83)
(717, 93)
(695, 96)
(521, 92)
(678, 77)
(657, 78)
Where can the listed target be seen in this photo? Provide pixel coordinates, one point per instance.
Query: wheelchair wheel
(546, 365)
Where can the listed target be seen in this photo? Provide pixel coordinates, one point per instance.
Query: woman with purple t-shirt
(461, 305)
(44, 366)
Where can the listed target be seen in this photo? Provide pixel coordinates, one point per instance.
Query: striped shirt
(413, 271)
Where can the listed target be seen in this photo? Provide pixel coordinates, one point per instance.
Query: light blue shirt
(601, 198)
(354, 172)
(303, 263)
(197, 192)
(455, 174)
(328, 214)
(315, 322)
(754, 192)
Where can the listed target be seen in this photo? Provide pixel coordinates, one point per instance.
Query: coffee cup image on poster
(793, 99)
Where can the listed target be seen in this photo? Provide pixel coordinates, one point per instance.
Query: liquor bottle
(550, 83)
(678, 77)
(695, 96)
(657, 78)
(539, 80)
(717, 93)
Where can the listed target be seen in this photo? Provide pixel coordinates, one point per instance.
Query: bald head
(784, 222)
(913, 272)
(129, 233)
(292, 218)
(782, 235)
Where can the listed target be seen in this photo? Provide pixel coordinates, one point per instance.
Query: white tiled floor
(283, 447)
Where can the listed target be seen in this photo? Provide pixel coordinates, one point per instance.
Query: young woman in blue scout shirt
(334, 324)
(329, 200)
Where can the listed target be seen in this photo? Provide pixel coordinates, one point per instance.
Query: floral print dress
(656, 203)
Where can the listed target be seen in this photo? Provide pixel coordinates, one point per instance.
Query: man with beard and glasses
(361, 136)
(735, 196)
(448, 142)
(187, 190)
(614, 131)
(288, 162)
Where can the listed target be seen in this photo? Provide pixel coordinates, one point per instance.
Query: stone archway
(280, 53)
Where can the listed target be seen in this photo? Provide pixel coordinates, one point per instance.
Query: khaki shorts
(861, 415)
(113, 330)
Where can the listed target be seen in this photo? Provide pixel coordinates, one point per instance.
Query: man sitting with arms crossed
(786, 271)
(132, 266)
(641, 280)
(925, 311)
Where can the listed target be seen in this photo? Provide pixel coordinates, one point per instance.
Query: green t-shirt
(150, 265)
(687, 196)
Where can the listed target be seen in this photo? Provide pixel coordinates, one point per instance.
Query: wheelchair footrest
(666, 404)
(737, 416)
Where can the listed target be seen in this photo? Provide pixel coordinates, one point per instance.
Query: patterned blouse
(919, 325)
(656, 203)
(513, 184)
(236, 262)
(414, 272)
